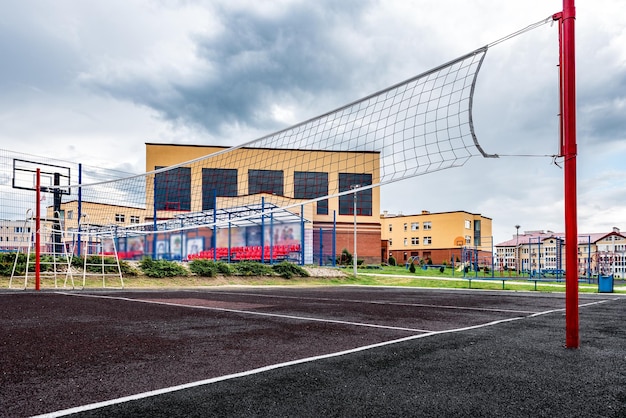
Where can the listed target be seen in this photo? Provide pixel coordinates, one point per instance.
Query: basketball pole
(567, 61)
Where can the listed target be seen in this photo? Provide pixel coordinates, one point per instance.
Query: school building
(254, 176)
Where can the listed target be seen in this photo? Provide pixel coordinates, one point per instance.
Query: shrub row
(210, 268)
(154, 268)
(95, 264)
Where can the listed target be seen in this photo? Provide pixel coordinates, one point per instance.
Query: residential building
(539, 251)
(15, 235)
(444, 237)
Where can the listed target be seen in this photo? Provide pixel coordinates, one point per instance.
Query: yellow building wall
(96, 214)
(446, 229)
(289, 161)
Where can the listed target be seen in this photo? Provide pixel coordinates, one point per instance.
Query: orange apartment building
(439, 237)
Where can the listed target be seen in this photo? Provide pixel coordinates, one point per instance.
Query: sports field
(309, 351)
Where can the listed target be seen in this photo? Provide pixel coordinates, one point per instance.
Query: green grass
(451, 279)
(386, 276)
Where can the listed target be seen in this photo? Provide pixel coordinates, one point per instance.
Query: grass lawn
(384, 276)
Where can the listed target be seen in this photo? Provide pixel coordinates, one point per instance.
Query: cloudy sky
(92, 81)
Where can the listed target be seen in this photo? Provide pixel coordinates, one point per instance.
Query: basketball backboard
(25, 176)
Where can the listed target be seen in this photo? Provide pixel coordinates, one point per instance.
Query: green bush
(224, 268)
(6, 263)
(412, 268)
(94, 265)
(161, 268)
(391, 261)
(210, 268)
(346, 257)
(203, 268)
(288, 270)
(252, 268)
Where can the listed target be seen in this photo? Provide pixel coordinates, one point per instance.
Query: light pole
(354, 187)
(517, 250)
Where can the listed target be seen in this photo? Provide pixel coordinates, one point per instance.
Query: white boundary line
(190, 385)
(372, 302)
(171, 389)
(241, 311)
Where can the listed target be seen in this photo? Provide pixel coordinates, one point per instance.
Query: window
(406, 242)
(265, 181)
(415, 241)
(309, 185)
(363, 198)
(477, 234)
(390, 243)
(468, 224)
(70, 214)
(134, 219)
(405, 226)
(468, 239)
(428, 225)
(427, 240)
(119, 217)
(415, 226)
(390, 227)
(217, 182)
(172, 189)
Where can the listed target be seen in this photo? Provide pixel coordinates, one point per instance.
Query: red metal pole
(37, 233)
(568, 62)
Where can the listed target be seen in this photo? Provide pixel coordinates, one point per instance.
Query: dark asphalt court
(309, 352)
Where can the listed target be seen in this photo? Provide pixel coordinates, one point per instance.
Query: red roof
(534, 237)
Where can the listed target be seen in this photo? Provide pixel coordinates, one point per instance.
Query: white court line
(580, 306)
(163, 391)
(240, 311)
(371, 302)
(190, 385)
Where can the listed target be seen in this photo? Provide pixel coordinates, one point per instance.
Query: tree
(346, 257)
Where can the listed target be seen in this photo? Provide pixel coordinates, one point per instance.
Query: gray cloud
(602, 114)
(255, 62)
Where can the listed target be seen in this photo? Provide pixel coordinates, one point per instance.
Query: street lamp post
(354, 257)
(517, 250)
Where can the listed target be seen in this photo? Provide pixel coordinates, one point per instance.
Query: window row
(172, 188)
(415, 226)
(414, 241)
(121, 218)
(15, 239)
